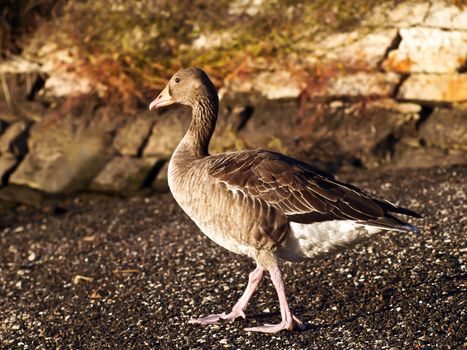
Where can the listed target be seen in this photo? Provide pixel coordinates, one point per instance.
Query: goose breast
(235, 221)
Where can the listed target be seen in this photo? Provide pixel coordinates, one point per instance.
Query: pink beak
(164, 99)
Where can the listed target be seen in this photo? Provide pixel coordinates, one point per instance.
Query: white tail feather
(320, 238)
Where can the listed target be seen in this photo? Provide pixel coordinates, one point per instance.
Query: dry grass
(132, 47)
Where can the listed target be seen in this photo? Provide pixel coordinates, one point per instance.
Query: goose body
(236, 209)
(220, 216)
(263, 204)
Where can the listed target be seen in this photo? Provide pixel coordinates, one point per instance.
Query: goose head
(187, 87)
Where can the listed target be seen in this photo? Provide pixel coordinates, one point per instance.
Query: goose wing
(301, 192)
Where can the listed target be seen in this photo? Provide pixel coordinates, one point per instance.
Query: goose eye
(177, 80)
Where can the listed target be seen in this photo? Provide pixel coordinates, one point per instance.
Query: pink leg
(238, 309)
(289, 321)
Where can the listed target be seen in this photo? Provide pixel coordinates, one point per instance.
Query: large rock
(329, 134)
(402, 14)
(271, 126)
(233, 117)
(131, 138)
(445, 15)
(362, 84)
(278, 85)
(446, 128)
(249, 120)
(65, 152)
(434, 88)
(363, 133)
(123, 174)
(25, 195)
(426, 157)
(169, 129)
(436, 13)
(428, 50)
(273, 85)
(66, 170)
(363, 48)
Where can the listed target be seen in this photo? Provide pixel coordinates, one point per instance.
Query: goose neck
(203, 122)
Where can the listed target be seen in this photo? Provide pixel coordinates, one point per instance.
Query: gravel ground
(128, 274)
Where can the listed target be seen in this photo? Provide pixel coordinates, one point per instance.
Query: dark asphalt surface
(129, 273)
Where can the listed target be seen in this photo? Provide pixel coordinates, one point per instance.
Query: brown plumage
(297, 189)
(263, 204)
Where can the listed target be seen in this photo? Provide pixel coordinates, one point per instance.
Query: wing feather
(303, 193)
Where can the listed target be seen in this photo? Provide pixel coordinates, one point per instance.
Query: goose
(263, 204)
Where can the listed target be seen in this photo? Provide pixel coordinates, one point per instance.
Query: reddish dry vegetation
(130, 48)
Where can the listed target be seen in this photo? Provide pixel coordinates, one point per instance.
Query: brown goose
(263, 204)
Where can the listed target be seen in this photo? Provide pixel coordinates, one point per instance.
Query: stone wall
(391, 93)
